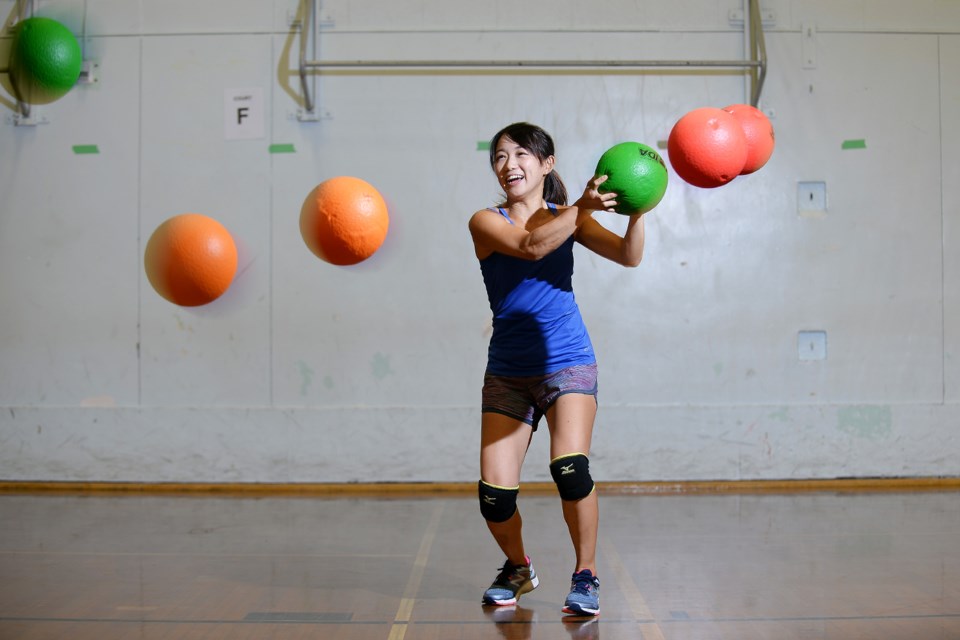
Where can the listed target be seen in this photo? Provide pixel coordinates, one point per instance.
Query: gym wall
(769, 333)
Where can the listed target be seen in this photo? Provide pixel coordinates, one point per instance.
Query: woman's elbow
(632, 261)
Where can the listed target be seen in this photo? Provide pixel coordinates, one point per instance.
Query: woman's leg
(503, 445)
(571, 419)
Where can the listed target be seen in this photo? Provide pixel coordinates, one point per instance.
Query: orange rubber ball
(190, 259)
(759, 133)
(707, 147)
(344, 220)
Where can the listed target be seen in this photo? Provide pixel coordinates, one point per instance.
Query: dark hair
(539, 143)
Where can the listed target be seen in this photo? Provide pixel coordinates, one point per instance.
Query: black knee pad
(497, 504)
(572, 475)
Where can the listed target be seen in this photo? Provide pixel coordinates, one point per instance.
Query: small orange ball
(344, 220)
(190, 259)
(759, 133)
(707, 147)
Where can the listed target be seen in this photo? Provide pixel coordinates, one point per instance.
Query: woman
(540, 361)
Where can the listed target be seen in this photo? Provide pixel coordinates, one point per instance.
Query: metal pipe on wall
(309, 20)
(24, 9)
(756, 65)
(758, 51)
(341, 64)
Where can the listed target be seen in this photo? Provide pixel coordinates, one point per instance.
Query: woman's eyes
(500, 157)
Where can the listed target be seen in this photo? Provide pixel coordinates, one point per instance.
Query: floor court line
(402, 619)
(638, 606)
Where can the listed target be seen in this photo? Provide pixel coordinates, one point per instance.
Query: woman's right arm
(492, 233)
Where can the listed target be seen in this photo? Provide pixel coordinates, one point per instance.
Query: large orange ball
(759, 133)
(190, 259)
(344, 220)
(707, 147)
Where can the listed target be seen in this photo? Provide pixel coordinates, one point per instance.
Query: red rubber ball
(759, 133)
(707, 147)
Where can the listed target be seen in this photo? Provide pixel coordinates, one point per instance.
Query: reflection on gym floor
(791, 566)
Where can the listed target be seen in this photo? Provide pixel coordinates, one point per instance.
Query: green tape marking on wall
(854, 144)
(483, 145)
(85, 149)
(282, 148)
(870, 422)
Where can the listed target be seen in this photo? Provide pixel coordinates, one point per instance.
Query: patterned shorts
(527, 398)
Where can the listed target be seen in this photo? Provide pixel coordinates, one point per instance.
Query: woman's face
(518, 170)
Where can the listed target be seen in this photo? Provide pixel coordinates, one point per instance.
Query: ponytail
(554, 190)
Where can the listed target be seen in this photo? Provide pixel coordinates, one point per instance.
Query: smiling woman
(540, 360)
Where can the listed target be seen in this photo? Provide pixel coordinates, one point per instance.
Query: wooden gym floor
(784, 566)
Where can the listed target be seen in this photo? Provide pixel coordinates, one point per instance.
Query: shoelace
(582, 584)
(507, 571)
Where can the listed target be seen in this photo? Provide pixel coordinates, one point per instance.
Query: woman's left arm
(627, 250)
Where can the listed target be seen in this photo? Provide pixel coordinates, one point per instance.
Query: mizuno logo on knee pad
(497, 504)
(571, 473)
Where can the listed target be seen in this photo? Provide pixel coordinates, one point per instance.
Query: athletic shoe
(584, 598)
(514, 581)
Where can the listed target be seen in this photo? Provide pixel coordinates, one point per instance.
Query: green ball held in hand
(45, 60)
(636, 173)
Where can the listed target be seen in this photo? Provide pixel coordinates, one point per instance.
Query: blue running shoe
(514, 581)
(584, 598)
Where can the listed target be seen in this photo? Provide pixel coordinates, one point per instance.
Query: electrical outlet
(811, 197)
(812, 345)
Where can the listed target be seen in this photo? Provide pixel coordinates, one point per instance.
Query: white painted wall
(305, 372)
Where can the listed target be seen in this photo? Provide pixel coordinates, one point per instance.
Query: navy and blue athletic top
(537, 327)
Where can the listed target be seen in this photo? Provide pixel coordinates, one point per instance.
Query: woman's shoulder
(489, 213)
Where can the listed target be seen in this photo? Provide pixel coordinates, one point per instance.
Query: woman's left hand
(593, 200)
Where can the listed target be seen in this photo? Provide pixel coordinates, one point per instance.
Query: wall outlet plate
(812, 345)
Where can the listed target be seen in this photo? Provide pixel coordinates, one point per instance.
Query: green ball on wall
(45, 60)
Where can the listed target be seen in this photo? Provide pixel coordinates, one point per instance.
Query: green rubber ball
(45, 60)
(636, 173)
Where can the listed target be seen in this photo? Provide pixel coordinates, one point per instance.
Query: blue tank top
(537, 327)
